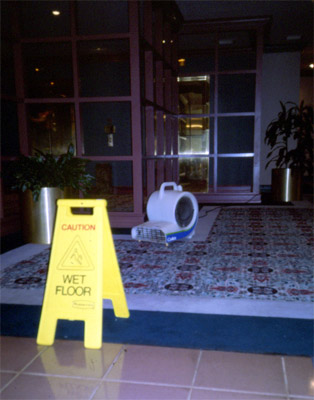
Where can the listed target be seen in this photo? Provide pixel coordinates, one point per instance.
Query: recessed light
(293, 37)
(224, 42)
(311, 66)
(55, 12)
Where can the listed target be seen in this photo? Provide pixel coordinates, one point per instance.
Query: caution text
(78, 227)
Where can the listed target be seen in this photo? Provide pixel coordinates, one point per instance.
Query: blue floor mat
(285, 336)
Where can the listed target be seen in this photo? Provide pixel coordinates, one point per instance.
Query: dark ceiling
(290, 20)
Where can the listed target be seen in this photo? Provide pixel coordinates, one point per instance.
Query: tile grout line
(23, 369)
(115, 360)
(10, 381)
(195, 374)
(123, 348)
(102, 380)
(285, 377)
(208, 389)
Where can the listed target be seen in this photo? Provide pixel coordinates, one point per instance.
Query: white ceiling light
(293, 37)
(55, 12)
(224, 42)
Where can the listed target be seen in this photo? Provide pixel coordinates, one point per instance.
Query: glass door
(219, 110)
(194, 147)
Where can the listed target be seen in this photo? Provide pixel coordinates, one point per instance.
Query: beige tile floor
(67, 370)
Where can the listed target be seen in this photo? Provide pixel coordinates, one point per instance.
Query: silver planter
(39, 216)
(286, 184)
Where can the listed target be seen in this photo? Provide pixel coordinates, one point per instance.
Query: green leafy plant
(293, 122)
(47, 170)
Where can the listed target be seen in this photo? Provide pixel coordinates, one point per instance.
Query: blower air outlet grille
(150, 234)
(184, 212)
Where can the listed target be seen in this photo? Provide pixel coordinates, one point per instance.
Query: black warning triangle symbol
(76, 257)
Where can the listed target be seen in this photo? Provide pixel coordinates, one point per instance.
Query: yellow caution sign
(83, 270)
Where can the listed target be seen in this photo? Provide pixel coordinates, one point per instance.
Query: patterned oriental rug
(250, 253)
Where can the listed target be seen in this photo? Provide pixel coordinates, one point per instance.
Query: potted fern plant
(43, 178)
(290, 137)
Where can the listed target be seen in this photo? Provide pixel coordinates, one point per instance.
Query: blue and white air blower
(172, 215)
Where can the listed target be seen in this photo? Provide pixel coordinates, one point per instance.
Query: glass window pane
(48, 70)
(100, 17)
(51, 127)
(212, 94)
(104, 68)
(237, 39)
(211, 174)
(9, 129)
(236, 135)
(236, 50)
(113, 182)
(194, 93)
(7, 10)
(38, 20)
(211, 135)
(197, 63)
(236, 93)
(144, 135)
(201, 41)
(7, 68)
(141, 17)
(193, 174)
(194, 135)
(107, 129)
(145, 166)
(234, 61)
(155, 133)
(235, 171)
